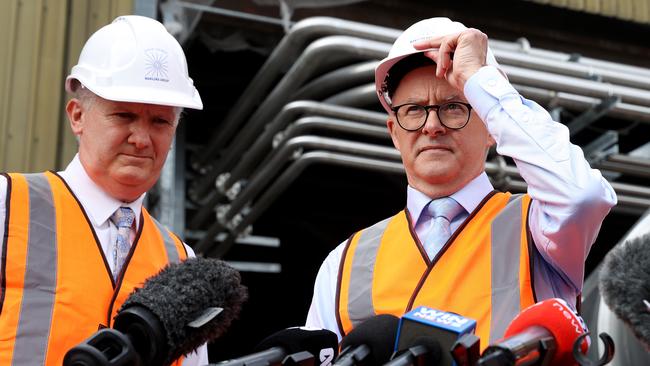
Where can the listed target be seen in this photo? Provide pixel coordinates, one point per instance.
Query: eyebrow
(451, 97)
(417, 100)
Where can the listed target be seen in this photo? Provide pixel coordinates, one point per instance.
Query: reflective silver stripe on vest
(360, 305)
(40, 276)
(170, 246)
(506, 244)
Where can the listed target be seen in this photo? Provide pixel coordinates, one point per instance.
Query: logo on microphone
(576, 321)
(441, 317)
(326, 356)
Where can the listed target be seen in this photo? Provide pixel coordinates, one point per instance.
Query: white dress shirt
(99, 206)
(570, 200)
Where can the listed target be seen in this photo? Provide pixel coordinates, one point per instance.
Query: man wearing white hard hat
(77, 242)
(459, 245)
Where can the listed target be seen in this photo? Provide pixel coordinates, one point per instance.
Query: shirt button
(492, 82)
(525, 117)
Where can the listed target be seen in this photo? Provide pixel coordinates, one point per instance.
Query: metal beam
(592, 114)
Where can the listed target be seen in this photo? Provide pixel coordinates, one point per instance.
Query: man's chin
(135, 180)
(441, 175)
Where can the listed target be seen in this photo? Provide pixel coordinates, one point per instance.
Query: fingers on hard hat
(447, 47)
(423, 44)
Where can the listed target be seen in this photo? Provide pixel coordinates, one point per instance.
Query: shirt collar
(469, 197)
(95, 201)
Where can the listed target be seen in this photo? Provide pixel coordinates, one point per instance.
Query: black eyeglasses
(412, 117)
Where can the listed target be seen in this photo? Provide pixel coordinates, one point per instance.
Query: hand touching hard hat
(135, 59)
(427, 36)
(458, 55)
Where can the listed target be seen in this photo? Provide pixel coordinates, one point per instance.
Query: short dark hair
(403, 67)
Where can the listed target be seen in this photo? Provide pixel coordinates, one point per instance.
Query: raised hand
(458, 55)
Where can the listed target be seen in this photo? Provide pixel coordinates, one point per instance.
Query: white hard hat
(403, 46)
(135, 59)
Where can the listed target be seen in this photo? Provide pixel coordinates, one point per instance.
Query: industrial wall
(41, 40)
(632, 10)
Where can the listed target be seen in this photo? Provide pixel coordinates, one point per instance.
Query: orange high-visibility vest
(57, 288)
(483, 272)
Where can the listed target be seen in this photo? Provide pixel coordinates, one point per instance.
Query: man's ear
(390, 123)
(75, 112)
(490, 141)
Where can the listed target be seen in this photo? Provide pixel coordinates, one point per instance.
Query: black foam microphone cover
(178, 295)
(319, 342)
(298, 345)
(377, 334)
(624, 283)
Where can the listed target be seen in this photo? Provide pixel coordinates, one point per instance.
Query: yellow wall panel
(8, 21)
(41, 40)
(634, 10)
(625, 9)
(560, 3)
(26, 75)
(576, 4)
(48, 89)
(609, 8)
(642, 11)
(592, 6)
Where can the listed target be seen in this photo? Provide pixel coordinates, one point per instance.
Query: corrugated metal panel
(31, 70)
(40, 40)
(633, 10)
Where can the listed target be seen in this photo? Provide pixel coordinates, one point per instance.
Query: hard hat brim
(382, 69)
(134, 94)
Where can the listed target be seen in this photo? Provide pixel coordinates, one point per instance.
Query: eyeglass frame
(427, 109)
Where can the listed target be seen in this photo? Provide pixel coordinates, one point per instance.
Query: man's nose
(140, 133)
(432, 125)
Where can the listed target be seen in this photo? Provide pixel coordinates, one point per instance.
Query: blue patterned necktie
(442, 212)
(123, 219)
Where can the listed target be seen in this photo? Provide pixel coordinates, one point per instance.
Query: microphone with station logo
(545, 333)
(435, 337)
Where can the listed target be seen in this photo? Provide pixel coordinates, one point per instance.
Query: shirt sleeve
(197, 358)
(570, 199)
(322, 312)
(189, 250)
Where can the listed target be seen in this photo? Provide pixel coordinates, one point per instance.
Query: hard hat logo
(156, 65)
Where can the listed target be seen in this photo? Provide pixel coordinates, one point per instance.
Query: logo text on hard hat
(155, 65)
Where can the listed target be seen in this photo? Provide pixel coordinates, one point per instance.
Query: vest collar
(469, 196)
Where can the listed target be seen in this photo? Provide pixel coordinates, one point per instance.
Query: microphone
(542, 334)
(183, 306)
(370, 343)
(296, 345)
(624, 283)
(437, 327)
(424, 351)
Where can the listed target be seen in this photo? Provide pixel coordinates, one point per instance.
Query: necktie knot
(123, 217)
(442, 212)
(445, 207)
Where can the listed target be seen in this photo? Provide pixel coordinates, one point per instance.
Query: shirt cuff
(486, 88)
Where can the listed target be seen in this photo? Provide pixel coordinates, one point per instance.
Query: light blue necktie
(123, 219)
(442, 212)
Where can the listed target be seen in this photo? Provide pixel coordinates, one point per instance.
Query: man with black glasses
(459, 245)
